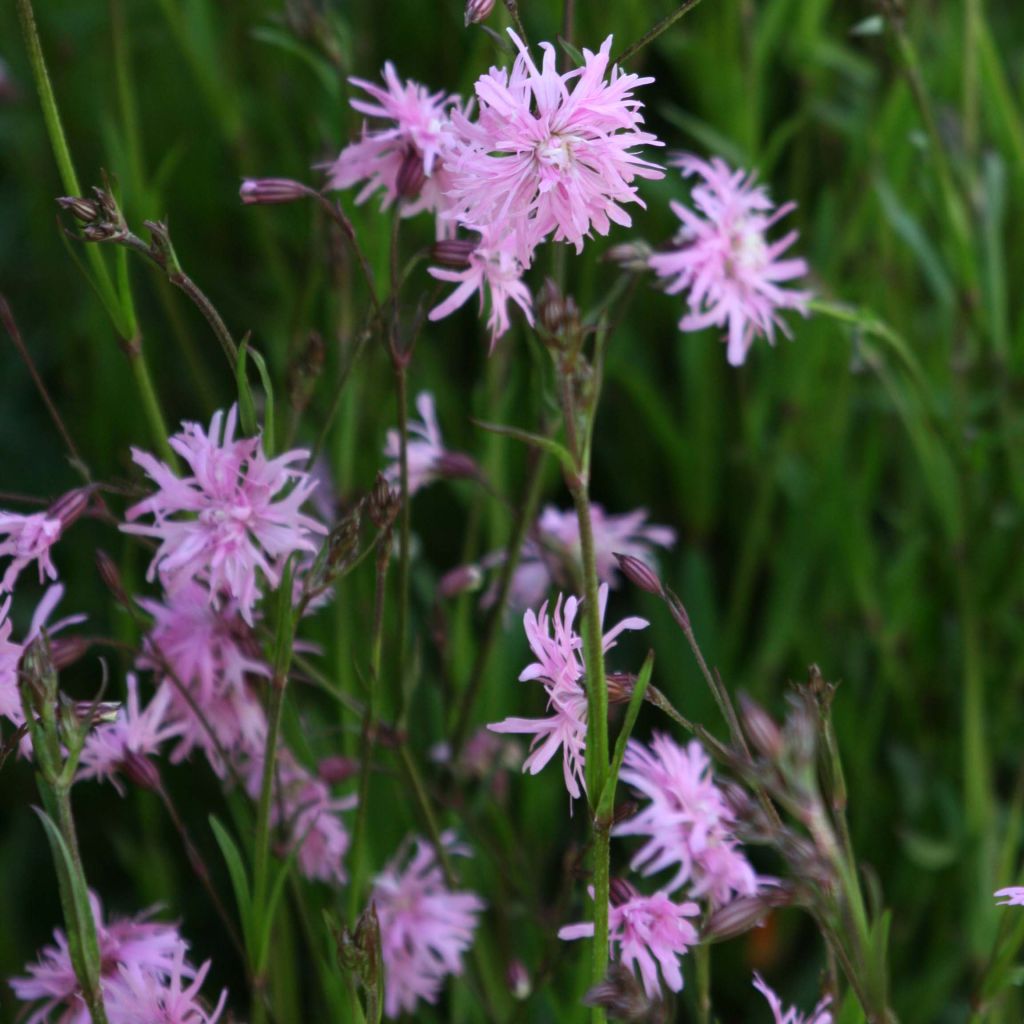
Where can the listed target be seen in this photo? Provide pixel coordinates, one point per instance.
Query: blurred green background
(852, 499)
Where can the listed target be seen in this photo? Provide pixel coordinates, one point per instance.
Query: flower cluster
(425, 927)
(688, 822)
(559, 668)
(145, 977)
(547, 155)
(722, 258)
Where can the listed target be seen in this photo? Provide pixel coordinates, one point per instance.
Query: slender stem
(150, 401)
(370, 718)
(702, 956)
(513, 10)
(492, 630)
(568, 16)
(404, 532)
(662, 26)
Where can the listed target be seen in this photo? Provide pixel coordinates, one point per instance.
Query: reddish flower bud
(456, 466)
(70, 506)
(760, 727)
(86, 210)
(111, 576)
(639, 573)
(453, 252)
(477, 10)
(141, 772)
(66, 650)
(411, 175)
(632, 256)
(743, 913)
(336, 768)
(272, 190)
(460, 580)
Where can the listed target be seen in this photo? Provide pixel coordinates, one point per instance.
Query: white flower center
(555, 151)
(749, 250)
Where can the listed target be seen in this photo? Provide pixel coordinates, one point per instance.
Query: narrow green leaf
(268, 409)
(604, 805)
(246, 407)
(239, 879)
(535, 440)
(574, 52)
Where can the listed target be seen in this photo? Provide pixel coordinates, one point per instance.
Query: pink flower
(425, 927)
(496, 270)
(28, 539)
(552, 555)
(234, 521)
(650, 932)
(819, 1015)
(405, 157)
(688, 821)
(723, 258)
(425, 449)
(560, 668)
(1012, 896)
(305, 809)
(125, 744)
(133, 943)
(551, 153)
(140, 997)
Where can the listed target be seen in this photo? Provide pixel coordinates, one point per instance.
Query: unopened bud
(632, 256)
(85, 210)
(336, 768)
(66, 650)
(620, 891)
(140, 771)
(463, 579)
(760, 728)
(456, 466)
(272, 190)
(453, 252)
(557, 314)
(38, 675)
(477, 10)
(382, 503)
(518, 980)
(411, 175)
(620, 686)
(70, 506)
(744, 912)
(111, 576)
(639, 573)
(621, 996)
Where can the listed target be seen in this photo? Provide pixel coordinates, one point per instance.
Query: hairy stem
(656, 30)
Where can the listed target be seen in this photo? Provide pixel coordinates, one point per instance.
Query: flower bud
(336, 768)
(518, 980)
(463, 579)
(621, 995)
(66, 650)
(639, 573)
(557, 314)
(453, 252)
(620, 686)
(741, 914)
(411, 175)
(760, 728)
(456, 466)
(85, 210)
(632, 256)
(265, 191)
(140, 771)
(111, 577)
(383, 502)
(620, 891)
(477, 10)
(70, 506)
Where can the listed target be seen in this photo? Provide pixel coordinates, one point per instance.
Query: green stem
(662, 26)
(702, 957)
(404, 531)
(150, 401)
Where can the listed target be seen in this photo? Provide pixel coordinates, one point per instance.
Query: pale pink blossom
(551, 556)
(819, 1015)
(1013, 896)
(403, 155)
(551, 153)
(121, 747)
(232, 522)
(688, 822)
(723, 259)
(425, 927)
(425, 448)
(495, 271)
(560, 669)
(651, 932)
(27, 539)
(135, 943)
(141, 997)
(305, 810)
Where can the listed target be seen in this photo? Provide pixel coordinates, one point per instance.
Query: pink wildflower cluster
(233, 521)
(651, 933)
(722, 258)
(819, 1015)
(145, 977)
(28, 539)
(560, 669)
(425, 927)
(688, 822)
(1012, 896)
(547, 155)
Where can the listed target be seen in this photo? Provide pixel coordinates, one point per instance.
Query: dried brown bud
(477, 10)
(86, 210)
(411, 175)
(111, 577)
(621, 995)
(632, 256)
(462, 579)
(453, 252)
(760, 728)
(557, 314)
(639, 573)
(517, 978)
(272, 190)
(383, 502)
